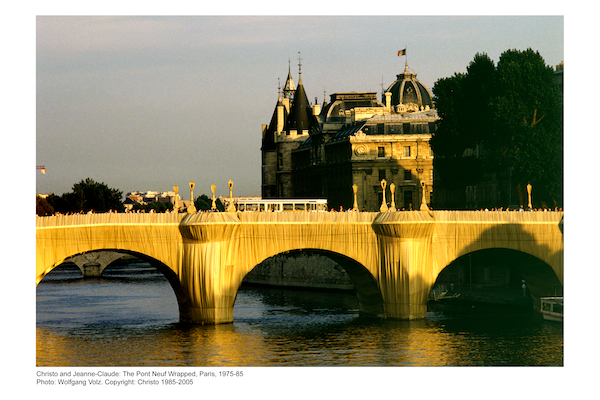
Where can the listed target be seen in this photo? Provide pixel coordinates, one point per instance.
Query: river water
(129, 317)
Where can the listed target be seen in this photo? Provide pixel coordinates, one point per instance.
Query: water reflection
(124, 320)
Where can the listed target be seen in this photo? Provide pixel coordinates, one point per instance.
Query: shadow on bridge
(393, 259)
(497, 263)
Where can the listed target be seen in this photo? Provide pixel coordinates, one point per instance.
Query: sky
(146, 103)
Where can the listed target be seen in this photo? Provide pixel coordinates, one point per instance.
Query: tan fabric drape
(211, 253)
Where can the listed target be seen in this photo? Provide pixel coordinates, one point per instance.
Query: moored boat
(552, 308)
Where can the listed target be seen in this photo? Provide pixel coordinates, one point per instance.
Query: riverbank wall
(300, 270)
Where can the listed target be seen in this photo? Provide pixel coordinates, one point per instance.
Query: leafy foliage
(204, 203)
(88, 195)
(513, 113)
(43, 207)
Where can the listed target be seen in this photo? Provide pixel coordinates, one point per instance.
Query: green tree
(448, 142)
(513, 113)
(528, 116)
(97, 197)
(203, 202)
(88, 195)
(43, 207)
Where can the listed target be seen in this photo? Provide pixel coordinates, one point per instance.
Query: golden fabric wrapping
(393, 258)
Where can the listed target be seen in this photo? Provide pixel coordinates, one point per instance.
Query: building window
(381, 174)
(381, 152)
(406, 128)
(407, 175)
(406, 152)
(432, 127)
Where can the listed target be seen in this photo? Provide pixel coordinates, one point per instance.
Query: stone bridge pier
(391, 267)
(207, 275)
(393, 258)
(405, 273)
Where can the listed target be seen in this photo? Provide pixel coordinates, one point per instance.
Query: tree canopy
(88, 195)
(512, 112)
(204, 203)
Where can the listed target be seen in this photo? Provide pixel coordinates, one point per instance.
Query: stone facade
(300, 270)
(355, 139)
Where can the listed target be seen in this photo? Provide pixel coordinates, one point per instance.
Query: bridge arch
(212, 252)
(365, 285)
(60, 237)
(540, 238)
(169, 274)
(502, 268)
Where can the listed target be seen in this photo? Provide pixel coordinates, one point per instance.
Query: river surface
(129, 317)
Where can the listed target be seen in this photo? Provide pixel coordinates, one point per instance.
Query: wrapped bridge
(393, 258)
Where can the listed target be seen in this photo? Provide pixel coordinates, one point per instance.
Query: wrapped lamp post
(384, 206)
(176, 204)
(423, 199)
(392, 190)
(355, 189)
(230, 207)
(213, 207)
(192, 207)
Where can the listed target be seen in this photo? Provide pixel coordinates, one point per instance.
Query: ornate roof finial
(279, 88)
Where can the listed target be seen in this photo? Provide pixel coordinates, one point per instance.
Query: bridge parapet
(209, 227)
(414, 224)
(458, 233)
(60, 237)
(393, 258)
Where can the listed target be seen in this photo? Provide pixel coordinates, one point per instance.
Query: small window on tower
(406, 152)
(381, 152)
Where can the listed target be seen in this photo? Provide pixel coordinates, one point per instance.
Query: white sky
(145, 103)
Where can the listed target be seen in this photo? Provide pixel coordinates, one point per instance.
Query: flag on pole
(402, 52)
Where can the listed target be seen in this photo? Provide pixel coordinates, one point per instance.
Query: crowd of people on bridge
(341, 209)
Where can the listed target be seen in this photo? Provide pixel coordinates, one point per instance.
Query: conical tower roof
(268, 141)
(300, 112)
(290, 88)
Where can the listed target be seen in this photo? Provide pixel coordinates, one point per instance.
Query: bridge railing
(109, 218)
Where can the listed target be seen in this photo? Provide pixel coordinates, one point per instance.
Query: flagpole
(403, 53)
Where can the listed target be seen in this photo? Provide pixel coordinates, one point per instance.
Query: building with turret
(322, 151)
